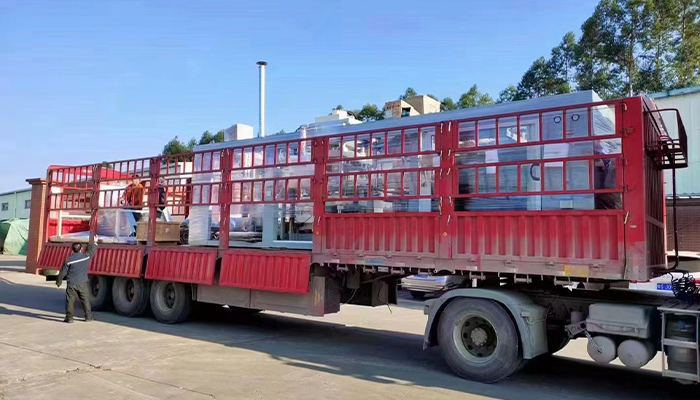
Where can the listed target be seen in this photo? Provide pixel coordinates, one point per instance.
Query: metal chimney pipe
(262, 65)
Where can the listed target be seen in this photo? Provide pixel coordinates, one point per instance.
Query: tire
(171, 302)
(479, 340)
(100, 292)
(418, 295)
(130, 296)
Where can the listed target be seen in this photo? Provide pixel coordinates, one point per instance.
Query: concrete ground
(359, 353)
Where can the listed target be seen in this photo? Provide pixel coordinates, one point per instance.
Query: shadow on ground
(376, 356)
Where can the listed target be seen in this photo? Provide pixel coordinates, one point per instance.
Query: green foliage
(469, 99)
(447, 104)
(175, 146)
(206, 138)
(507, 94)
(541, 79)
(685, 62)
(410, 92)
(369, 112)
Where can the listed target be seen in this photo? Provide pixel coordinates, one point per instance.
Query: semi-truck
(549, 208)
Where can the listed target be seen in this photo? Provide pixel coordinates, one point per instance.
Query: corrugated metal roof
(675, 92)
(16, 191)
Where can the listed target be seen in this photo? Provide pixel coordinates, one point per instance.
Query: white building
(337, 118)
(15, 204)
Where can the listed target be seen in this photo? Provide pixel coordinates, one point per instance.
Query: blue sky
(87, 81)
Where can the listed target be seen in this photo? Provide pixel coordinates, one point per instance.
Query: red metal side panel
(178, 264)
(276, 271)
(53, 255)
(513, 239)
(382, 233)
(118, 260)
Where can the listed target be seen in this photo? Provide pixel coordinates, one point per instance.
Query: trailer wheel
(479, 340)
(100, 292)
(130, 296)
(171, 302)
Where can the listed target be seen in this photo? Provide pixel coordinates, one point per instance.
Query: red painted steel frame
(182, 264)
(277, 271)
(609, 244)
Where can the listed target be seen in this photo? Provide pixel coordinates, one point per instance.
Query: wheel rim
(95, 286)
(475, 338)
(169, 295)
(130, 290)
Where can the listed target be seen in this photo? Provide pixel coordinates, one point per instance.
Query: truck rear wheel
(100, 292)
(479, 340)
(171, 302)
(130, 296)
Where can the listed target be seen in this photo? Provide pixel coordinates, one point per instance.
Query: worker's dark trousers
(79, 290)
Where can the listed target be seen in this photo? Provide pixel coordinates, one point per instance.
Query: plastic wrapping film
(202, 216)
(536, 173)
(280, 221)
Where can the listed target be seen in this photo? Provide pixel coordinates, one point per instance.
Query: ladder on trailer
(681, 316)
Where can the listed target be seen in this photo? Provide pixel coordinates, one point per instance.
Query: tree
(469, 99)
(685, 62)
(369, 112)
(563, 58)
(619, 30)
(593, 71)
(656, 39)
(541, 80)
(508, 94)
(175, 146)
(338, 107)
(484, 99)
(207, 137)
(447, 104)
(408, 94)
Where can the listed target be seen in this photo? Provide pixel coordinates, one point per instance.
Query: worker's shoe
(68, 320)
(89, 319)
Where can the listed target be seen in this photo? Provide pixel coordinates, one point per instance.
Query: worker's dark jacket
(75, 268)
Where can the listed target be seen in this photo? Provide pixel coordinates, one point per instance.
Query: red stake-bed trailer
(521, 199)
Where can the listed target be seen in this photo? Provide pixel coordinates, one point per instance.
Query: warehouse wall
(687, 101)
(13, 204)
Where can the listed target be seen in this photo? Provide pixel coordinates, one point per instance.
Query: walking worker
(75, 272)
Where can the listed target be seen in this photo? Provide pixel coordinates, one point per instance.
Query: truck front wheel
(171, 302)
(478, 339)
(130, 296)
(100, 292)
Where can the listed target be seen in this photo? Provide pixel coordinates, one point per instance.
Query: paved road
(359, 353)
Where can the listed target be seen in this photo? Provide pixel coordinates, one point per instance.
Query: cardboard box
(165, 231)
